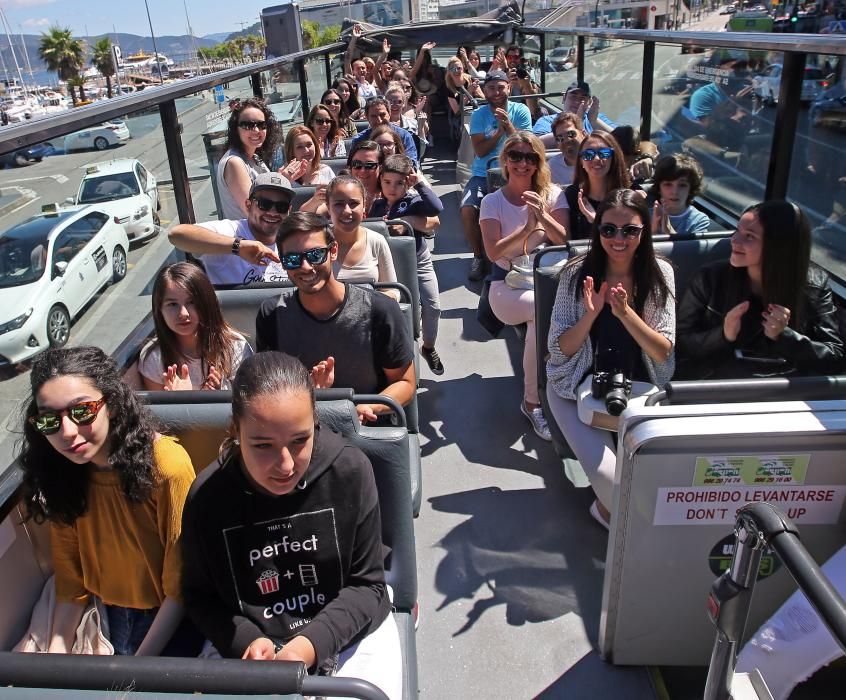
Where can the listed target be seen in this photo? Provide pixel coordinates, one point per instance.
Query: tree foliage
(63, 54)
(103, 62)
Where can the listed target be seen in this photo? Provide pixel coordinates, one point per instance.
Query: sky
(96, 17)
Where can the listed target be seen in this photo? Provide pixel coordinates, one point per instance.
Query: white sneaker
(538, 421)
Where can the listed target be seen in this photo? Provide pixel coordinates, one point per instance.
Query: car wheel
(58, 327)
(157, 220)
(118, 264)
(20, 159)
(101, 144)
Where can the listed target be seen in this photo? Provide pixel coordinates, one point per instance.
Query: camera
(522, 72)
(609, 382)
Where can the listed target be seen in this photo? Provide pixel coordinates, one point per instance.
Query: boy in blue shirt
(490, 125)
(677, 180)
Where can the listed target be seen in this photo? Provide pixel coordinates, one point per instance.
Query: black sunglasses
(627, 231)
(249, 125)
(267, 204)
(315, 256)
(83, 413)
(331, 102)
(358, 165)
(321, 121)
(517, 157)
(571, 134)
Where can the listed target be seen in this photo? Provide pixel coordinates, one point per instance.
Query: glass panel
(614, 71)
(709, 105)
(315, 79)
(560, 62)
(818, 167)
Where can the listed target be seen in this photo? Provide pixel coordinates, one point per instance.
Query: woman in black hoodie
(283, 558)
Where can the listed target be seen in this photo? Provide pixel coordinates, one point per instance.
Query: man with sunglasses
(579, 101)
(243, 251)
(350, 336)
(377, 111)
(490, 125)
(568, 135)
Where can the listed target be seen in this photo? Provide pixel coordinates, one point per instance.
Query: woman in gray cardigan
(618, 298)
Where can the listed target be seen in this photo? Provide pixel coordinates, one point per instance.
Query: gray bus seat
(337, 164)
(301, 195)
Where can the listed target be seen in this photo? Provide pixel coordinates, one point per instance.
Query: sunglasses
(358, 165)
(267, 204)
(395, 103)
(518, 157)
(571, 134)
(590, 153)
(249, 125)
(628, 231)
(294, 261)
(83, 413)
(407, 88)
(456, 69)
(331, 102)
(321, 121)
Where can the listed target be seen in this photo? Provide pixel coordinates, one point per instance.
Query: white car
(51, 265)
(767, 85)
(98, 137)
(126, 190)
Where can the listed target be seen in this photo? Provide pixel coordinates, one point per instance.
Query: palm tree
(102, 61)
(63, 54)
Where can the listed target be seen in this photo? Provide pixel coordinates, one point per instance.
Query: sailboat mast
(12, 48)
(26, 54)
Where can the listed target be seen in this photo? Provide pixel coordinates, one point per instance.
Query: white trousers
(377, 658)
(794, 643)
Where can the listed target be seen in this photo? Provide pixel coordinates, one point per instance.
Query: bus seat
(337, 164)
(348, 143)
(361, 125)
(301, 195)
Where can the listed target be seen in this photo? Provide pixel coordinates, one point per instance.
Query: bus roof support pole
(301, 71)
(328, 65)
(176, 161)
(646, 89)
(580, 58)
(255, 79)
(784, 130)
(542, 42)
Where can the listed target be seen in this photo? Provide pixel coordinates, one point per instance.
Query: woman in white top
(303, 167)
(526, 213)
(252, 135)
(194, 347)
(325, 127)
(363, 255)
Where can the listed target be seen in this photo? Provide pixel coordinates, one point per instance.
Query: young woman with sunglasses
(288, 494)
(322, 123)
(458, 85)
(364, 161)
(363, 255)
(335, 104)
(194, 347)
(413, 120)
(112, 490)
(349, 97)
(521, 216)
(600, 169)
(251, 137)
(615, 305)
(766, 311)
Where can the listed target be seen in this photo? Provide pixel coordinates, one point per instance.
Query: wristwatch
(236, 245)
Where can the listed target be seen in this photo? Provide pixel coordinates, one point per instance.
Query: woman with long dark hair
(349, 99)
(322, 123)
(600, 168)
(194, 347)
(112, 490)
(767, 310)
(614, 310)
(251, 137)
(290, 495)
(332, 99)
(364, 161)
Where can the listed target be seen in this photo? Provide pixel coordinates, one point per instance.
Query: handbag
(592, 411)
(522, 272)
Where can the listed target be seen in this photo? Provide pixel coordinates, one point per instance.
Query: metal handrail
(760, 525)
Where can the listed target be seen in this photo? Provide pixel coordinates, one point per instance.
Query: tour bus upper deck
(511, 605)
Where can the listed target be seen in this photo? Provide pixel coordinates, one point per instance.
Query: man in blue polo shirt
(490, 125)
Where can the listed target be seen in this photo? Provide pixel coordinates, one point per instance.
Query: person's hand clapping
(593, 109)
(618, 298)
(176, 378)
(594, 300)
(213, 380)
(731, 322)
(502, 118)
(323, 373)
(660, 219)
(775, 320)
(536, 206)
(295, 169)
(586, 207)
(256, 252)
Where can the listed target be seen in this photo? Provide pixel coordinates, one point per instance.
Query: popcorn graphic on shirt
(268, 582)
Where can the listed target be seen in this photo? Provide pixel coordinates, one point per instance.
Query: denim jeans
(128, 627)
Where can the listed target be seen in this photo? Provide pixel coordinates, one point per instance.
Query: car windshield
(813, 74)
(108, 187)
(23, 250)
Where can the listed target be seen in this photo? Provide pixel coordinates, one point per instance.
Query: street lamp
(155, 50)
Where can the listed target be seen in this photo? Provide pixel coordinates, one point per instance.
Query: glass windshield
(108, 187)
(23, 252)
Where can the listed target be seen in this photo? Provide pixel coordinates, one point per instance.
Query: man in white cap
(243, 251)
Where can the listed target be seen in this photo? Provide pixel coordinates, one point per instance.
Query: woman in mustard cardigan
(113, 490)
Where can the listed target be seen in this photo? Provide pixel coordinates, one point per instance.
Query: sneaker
(596, 515)
(433, 360)
(538, 421)
(478, 269)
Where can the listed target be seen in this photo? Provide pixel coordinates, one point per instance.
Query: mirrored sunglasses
(627, 231)
(566, 136)
(294, 261)
(82, 413)
(590, 153)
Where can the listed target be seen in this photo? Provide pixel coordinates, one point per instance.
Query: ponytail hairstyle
(263, 374)
(56, 489)
(215, 337)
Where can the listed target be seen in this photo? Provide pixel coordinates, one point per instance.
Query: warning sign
(706, 505)
(751, 469)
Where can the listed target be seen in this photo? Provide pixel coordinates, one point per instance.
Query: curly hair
(675, 166)
(55, 488)
(542, 178)
(618, 175)
(271, 138)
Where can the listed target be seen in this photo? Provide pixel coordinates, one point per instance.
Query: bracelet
(236, 245)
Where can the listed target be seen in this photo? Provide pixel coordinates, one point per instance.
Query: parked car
(99, 137)
(125, 190)
(561, 58)
(728, 10)
(51, 266)
(25, 156)
(829, 109)
(767, 84)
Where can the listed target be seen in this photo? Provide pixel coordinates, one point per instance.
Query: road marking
(61, 179)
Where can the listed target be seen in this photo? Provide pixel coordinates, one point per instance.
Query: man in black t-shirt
(349, 335)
